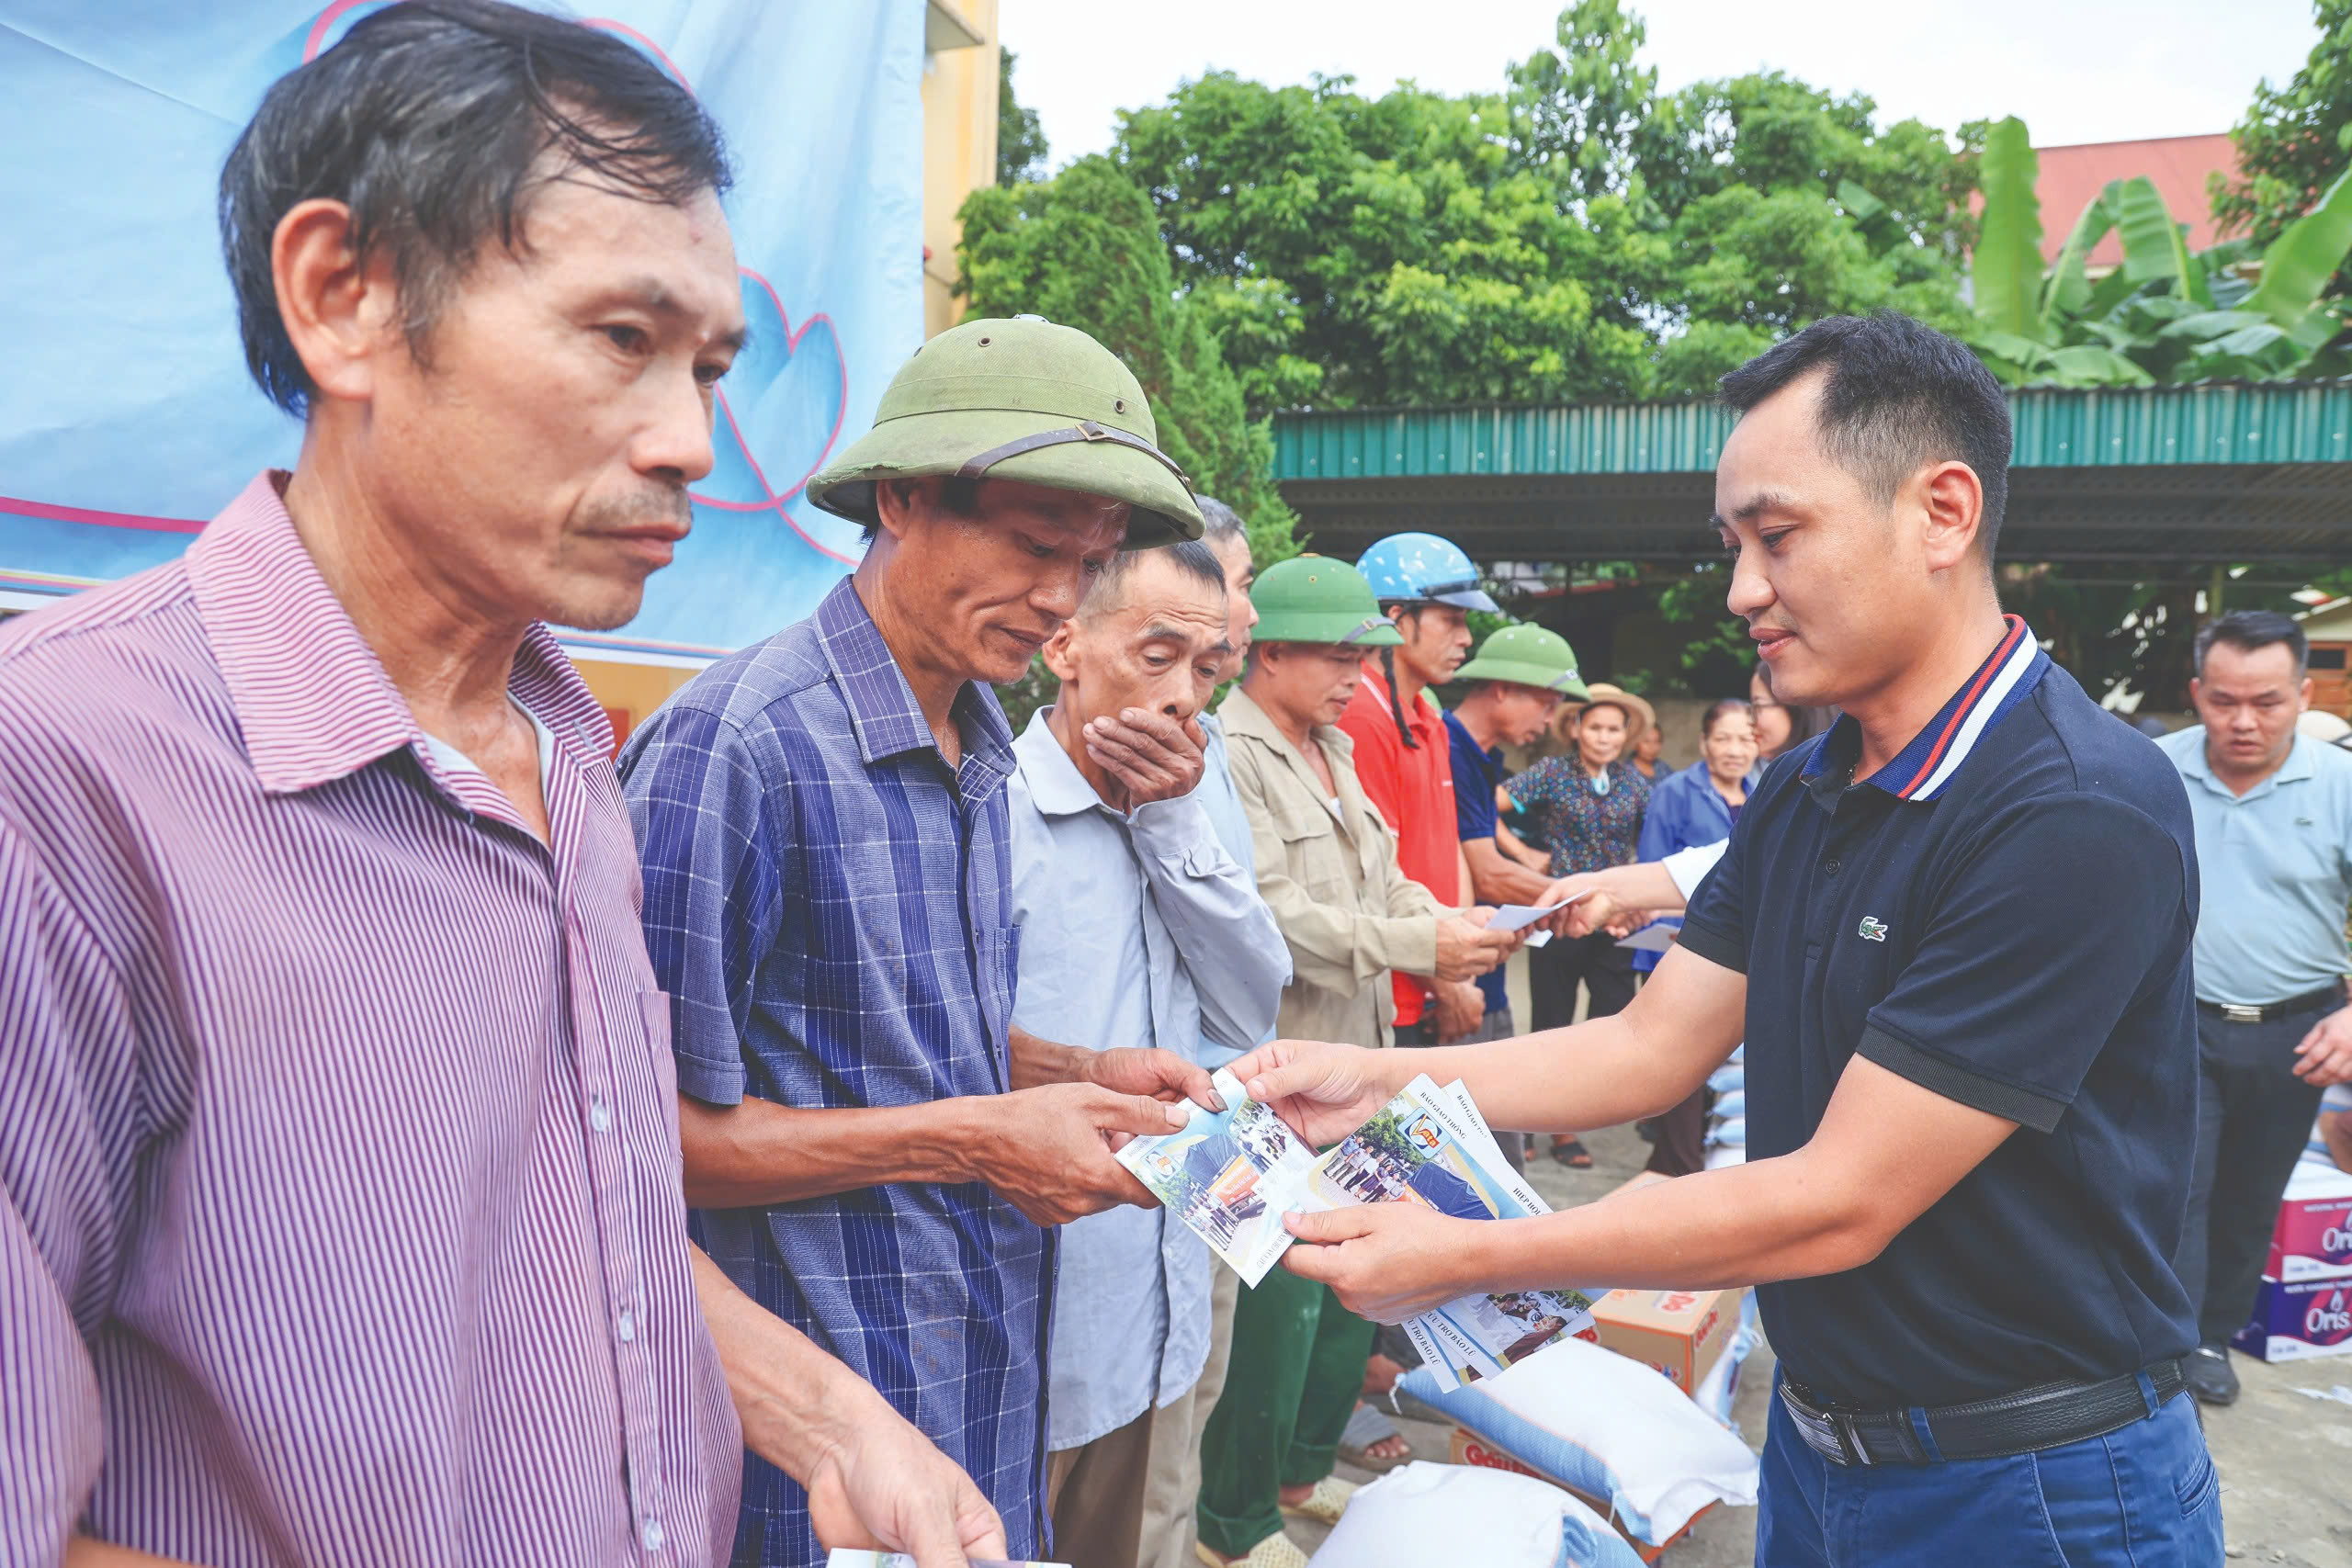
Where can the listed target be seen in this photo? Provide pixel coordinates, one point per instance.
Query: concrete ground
(2285, 1458)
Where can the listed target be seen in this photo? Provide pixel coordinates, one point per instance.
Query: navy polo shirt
(2002, 914)
(1477, 773)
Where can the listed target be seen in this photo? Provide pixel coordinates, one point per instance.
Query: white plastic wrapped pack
(1722, 1155)
(1609, 1427)
(1729, 1131)
(1721, 1385)
(1424, 1515)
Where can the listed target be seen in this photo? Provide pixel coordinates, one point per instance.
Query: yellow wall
(629, 693)
(959, 105)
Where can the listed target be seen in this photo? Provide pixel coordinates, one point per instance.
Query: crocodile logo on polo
(1873, 929)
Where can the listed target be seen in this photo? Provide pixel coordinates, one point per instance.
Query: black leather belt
(2270, 1012)
(2046, 1417)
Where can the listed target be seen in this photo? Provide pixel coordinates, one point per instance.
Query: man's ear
(1953, 500)
(1058, 653)
(899, 503)
(339, 312)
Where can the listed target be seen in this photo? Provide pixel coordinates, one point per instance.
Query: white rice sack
(1734, 1103)
(1729, 1077)
(1423, 1515)
(1731, 1132)
(1608, 1427)
(1722, 1155)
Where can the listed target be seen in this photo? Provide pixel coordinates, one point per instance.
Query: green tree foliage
(1020, 136)
(2295, 142)
(1082, 249)
(1572, 235)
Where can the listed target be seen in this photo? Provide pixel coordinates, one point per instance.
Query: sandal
(1368, 1428)
(1274, 1552)
(1573, 1154)
(1325, 1504)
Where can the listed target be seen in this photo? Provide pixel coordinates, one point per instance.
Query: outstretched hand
(1148, 1070)
(888, 1487)
(1385, 1262)
(1323, 1092)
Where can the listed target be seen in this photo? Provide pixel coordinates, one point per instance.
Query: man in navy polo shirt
(1955, 933)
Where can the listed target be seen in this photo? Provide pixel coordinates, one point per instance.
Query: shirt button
(627, 1329)
(1832, 866)
(651, 1535)
(599, 1117)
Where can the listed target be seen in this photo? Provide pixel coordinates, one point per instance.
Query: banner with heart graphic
(125, 414)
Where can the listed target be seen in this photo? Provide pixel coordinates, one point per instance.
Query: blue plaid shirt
(830, 910)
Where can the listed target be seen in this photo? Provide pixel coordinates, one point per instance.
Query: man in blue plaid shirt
(875, 1153)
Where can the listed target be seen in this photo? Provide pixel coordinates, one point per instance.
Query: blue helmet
(1422, 569)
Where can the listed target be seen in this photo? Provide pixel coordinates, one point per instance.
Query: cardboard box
(1470, 1448)
(2313, 1238)
(1681, 1333)
(2298, 1321)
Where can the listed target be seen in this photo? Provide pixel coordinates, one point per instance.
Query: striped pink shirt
(340, 1218)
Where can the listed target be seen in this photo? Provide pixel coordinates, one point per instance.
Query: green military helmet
(1527, 656)
(1017, 400)
(1319, 598)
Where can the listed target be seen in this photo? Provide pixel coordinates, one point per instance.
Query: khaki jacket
(1347, 914)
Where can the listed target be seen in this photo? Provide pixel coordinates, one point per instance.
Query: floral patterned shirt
(1588, 826)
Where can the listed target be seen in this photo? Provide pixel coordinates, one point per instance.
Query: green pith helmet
(1527, 656)
(1319, 598)
(1017, 400)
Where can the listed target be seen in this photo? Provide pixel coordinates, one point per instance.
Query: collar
(1426, 713)
(313, 700)
(1922, 769)
(1242, 716)
(1453, 723)
(1055, 786)
(2302, 763)
(883, 712)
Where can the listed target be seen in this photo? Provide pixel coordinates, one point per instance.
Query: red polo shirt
(1413, 789)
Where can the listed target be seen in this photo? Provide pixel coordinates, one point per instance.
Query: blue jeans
(2142, 1498)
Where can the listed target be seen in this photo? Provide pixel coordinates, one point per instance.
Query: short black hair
(1897, 396)
(433, 120)
(2250, 629)
(1191, 557)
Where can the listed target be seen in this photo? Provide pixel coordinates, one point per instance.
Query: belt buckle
(2238, 1013)
(1829, 1433)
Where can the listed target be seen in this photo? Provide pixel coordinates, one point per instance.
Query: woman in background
(1697, 806)
(1645, 751)
(1588, 804)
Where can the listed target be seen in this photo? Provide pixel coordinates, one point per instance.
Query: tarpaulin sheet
(125, 414)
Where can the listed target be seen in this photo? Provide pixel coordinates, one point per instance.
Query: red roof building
(2180, 165)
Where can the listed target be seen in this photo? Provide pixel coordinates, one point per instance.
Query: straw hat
(1639, 714)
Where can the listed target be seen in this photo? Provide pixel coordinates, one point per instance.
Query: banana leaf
(2152, 247)
(2297, 266)
(2068, 292)
(2006, 269)
(2205, 324)
(2086, 364)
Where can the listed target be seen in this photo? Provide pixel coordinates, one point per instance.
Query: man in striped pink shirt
(340, 1218)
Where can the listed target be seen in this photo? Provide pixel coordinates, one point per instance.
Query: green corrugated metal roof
(2293, 423)
(2235, 472)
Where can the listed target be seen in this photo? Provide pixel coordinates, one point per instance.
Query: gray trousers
(2254, 1115)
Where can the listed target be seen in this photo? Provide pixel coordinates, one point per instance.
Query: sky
(2076, 70)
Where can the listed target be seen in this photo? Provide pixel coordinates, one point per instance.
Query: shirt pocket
(1312, 851)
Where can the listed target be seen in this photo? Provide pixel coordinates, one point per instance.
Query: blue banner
(125, 414)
